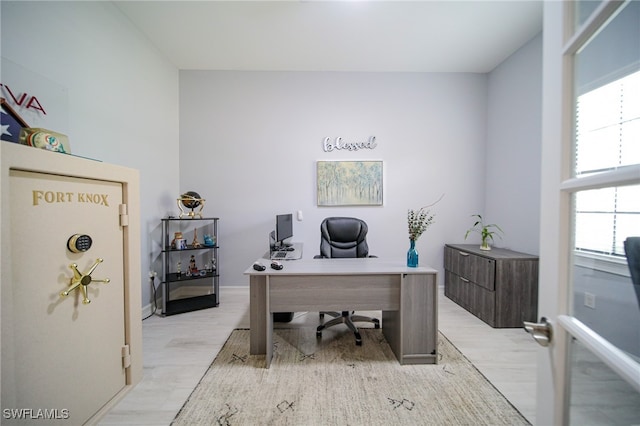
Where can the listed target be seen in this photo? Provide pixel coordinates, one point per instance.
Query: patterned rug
(335, 382)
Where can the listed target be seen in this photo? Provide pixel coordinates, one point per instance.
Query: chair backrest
(343, 237)
(632, 250)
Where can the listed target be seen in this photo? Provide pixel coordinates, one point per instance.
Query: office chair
(632, 250)
(344, 237)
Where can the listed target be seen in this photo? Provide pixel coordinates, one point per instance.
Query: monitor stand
(278, 246)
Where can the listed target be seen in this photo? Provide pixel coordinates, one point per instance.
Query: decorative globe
(190, 199)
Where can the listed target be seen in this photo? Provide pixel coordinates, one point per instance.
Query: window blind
(607, 137)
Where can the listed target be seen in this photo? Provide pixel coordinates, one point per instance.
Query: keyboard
(286, 253)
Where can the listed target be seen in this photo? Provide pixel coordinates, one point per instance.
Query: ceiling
(382, 36)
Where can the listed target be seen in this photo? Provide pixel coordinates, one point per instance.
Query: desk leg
(420, 319)
(269, 335)
(412, 332)
(260, 319)
(258, 314)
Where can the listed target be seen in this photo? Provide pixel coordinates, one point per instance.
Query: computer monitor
(284, 228)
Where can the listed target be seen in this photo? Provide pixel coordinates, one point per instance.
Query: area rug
(335, 382)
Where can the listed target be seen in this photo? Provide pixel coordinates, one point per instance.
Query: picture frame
(349, 183)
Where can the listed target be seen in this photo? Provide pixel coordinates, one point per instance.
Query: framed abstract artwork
(349, 183)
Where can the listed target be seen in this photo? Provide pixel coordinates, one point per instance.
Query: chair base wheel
(348, 319)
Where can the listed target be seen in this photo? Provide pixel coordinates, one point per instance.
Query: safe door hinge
(124, 215)
(126, 357)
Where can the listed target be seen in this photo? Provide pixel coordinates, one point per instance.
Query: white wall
(241, 133)
(513, 164)
(250, 141)
(616, 315)
(122, 95)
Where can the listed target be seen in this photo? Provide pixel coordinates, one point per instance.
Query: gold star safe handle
(83, 280)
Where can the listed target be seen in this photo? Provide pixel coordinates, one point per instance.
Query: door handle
(81, 280)
(542, 332)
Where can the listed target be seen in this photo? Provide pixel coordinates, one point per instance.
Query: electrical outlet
(590, 300)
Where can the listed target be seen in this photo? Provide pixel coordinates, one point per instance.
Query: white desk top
(349, 266)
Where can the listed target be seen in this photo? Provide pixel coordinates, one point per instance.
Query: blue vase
(412, 255)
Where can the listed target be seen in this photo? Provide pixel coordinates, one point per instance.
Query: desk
(408, 299)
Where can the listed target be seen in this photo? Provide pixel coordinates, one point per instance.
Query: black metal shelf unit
(179, 280)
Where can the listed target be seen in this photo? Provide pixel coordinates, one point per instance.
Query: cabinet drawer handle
(464, 280)
(461, 253)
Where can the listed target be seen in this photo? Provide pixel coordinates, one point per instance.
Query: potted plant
(485, 231)
(418, 221)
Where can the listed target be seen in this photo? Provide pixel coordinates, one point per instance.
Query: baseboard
(147, 310)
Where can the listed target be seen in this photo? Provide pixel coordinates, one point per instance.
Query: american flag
(10, 123)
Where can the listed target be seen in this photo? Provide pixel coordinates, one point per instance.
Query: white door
(62, 357)
(590, 373)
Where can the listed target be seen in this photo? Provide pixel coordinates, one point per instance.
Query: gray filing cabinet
(498, 286)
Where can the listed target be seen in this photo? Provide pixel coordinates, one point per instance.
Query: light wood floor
(178, 350)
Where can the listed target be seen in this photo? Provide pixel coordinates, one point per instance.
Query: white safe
(71, 337)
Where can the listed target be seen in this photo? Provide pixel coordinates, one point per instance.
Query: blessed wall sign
(329, 144)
